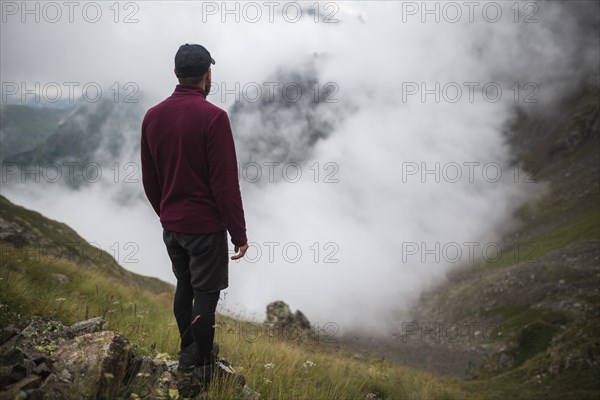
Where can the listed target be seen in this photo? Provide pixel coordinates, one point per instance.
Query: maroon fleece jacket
(189, 166)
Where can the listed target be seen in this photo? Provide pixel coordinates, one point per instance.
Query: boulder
(91, 366)
(286, 324)
(279, 313)
(147, 377)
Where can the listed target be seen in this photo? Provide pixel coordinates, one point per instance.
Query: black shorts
(203, 259)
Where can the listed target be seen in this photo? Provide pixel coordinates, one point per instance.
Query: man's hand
(241, 250)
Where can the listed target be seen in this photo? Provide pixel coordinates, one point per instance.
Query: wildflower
(308, 364)
(60, 299)
(143, 374)
(116, 302)
(267, 380)
(270, 365)
(371, 395)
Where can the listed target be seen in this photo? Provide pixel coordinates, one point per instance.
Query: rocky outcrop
(92, 365)
(287, 324)
(44, 359)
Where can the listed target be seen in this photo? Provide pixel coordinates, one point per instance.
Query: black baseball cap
(192, 60)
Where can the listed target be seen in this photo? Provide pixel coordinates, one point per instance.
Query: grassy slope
(140, 307)
(548, 293)
(43, 236)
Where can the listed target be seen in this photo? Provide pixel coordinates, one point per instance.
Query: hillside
(26, 232)
(527, 324)
(45, 271)
(543, 294)
(100, 134)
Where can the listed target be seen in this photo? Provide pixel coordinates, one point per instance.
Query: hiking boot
(187, 383)
(187, 357)
(219, 372)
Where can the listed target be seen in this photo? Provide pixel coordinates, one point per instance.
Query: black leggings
(196, 320)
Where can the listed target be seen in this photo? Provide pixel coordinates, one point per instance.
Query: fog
(344, 227)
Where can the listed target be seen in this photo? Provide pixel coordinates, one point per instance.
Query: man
(190, 177)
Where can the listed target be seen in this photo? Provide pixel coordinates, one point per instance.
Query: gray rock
(290, 326)
(147, 377)
(12, 356)
(92, 366)
(29, 382)
(43, 331)
(7, 333)
(278, 312)
(301, 321)
(91, 325)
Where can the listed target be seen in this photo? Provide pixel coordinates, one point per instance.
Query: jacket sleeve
(224, 183)
(149, 174)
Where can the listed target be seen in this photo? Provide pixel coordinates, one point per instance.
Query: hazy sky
(382, 57)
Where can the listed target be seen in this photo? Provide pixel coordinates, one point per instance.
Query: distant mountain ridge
(283, 125)
(99, 133)
(23, 127)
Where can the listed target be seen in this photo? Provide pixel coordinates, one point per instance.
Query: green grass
(531, 329)
(532, 382)
(529, 377)
(28, 287)
(584, 227)
(46, 236)
(516, 316)
(572, 376)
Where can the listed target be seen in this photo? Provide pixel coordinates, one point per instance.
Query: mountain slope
(38, 278)
(26, 231)
(23, 127)
(541, 299)
(98, 134)
(526, 324)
